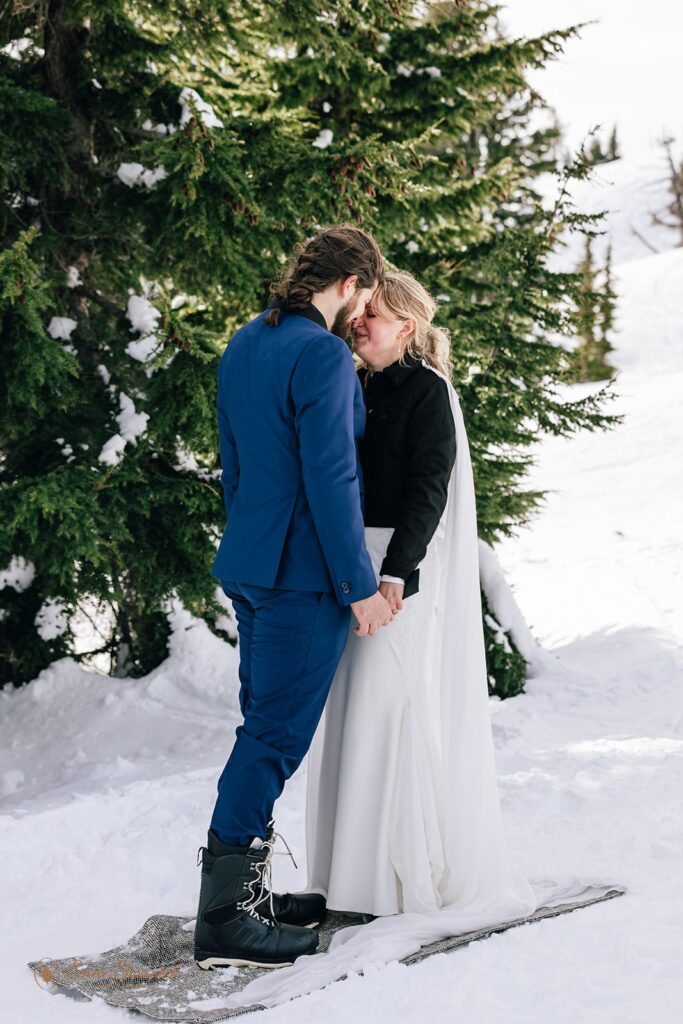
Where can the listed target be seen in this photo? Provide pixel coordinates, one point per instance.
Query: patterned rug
(154, 971)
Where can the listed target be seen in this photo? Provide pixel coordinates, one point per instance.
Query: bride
(402, 805)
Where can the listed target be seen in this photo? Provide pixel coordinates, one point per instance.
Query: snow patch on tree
(187, 462)
(112, 451)
(144, 317)
(158, 129)
(324, 139)
(142, 348)
(19, 574)
(18, 47)
(131, 425)
(142, 314)
(135, 174)
(190, 99)
(61, 327)
(73, 277)
(51, 620)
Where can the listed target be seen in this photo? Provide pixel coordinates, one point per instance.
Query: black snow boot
(306, 909)
(231, 930)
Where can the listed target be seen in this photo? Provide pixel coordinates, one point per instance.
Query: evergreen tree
(672, 215)
(168, 156)
(613, 148)
(596, 303)
(596, 154)
(158, 223)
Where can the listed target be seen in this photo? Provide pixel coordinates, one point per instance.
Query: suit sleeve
(230, 463)
(322, 388)
(431, 455)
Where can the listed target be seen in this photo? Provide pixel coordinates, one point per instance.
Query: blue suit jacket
(290, 411)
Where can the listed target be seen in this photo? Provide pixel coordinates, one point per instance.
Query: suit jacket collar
(310, 312)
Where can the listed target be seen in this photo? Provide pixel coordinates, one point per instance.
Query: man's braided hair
(331, 256)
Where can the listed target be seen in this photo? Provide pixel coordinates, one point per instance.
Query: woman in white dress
(402, 807)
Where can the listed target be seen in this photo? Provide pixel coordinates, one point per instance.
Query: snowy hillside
(108, 784)
(630, 193)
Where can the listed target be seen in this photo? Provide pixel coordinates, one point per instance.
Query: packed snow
(73, 277)
(51, 619)
(192, 105)
(144, 318)
(135, 174)
(61, 327)
(108, 784)
(131, 425)
(19, 574)
(323, 139)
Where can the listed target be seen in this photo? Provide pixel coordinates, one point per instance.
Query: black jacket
(407, 455)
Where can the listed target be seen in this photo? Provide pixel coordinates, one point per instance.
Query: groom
(294, 563)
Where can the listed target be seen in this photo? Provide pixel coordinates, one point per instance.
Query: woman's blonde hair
(404, 296)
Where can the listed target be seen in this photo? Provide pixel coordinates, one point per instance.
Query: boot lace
(264, 879)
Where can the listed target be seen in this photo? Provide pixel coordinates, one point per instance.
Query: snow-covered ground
(107, 785)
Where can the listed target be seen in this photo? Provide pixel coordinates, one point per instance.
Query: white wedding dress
(374, 805)
(403, 812)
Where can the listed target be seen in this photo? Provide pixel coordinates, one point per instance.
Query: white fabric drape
(422, 720)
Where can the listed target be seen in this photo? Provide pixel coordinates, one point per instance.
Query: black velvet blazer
(407, 455)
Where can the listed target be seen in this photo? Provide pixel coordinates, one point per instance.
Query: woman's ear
(408, 329)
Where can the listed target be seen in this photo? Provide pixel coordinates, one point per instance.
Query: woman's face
(379, 338)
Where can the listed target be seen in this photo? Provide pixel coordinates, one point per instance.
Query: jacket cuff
(348, 591)
(390, 567)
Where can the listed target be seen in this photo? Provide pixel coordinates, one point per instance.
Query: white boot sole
(232, 961)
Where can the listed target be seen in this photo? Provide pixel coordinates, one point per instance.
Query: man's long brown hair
(331, 256)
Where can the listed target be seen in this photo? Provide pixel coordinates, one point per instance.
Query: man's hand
(371, 613)
(393, 593)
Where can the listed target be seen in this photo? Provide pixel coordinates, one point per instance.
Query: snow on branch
(19, 574)
(132, 425)
(135, 174)
(192, 105)
(144, 317)
(51, 619)
(61, 327)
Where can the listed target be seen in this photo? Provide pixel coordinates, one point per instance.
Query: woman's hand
(393, 594)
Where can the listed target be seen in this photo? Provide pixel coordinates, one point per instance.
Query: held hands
(393, 593)
(371, 613)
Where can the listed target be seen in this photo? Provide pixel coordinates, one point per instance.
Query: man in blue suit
(294, 563)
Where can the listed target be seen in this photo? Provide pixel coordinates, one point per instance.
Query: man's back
(290, 411)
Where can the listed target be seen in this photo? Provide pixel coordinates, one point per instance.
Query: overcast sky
(627, 68)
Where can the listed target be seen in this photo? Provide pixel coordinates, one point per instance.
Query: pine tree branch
(101, 300)
(142, 133)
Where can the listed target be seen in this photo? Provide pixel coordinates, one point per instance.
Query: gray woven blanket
(154, 972)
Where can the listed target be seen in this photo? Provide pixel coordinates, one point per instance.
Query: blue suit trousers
(291, 642)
